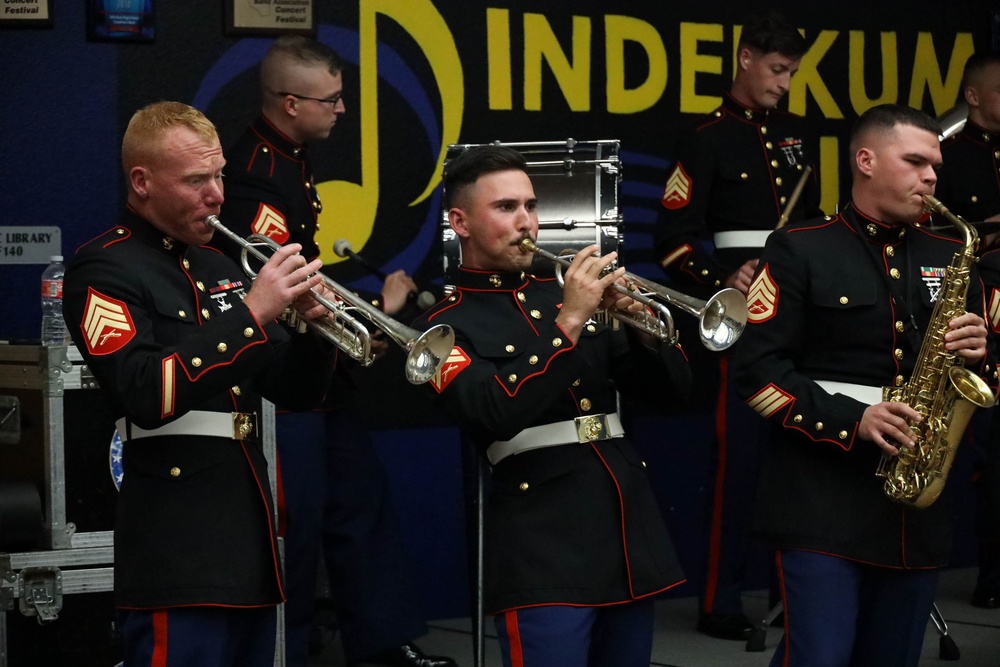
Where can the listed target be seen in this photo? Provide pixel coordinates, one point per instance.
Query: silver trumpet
(426, 352)
(721, 319)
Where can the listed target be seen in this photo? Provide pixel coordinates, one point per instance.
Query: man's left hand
(967, 336)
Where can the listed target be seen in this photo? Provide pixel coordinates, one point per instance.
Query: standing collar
(977, 133)
(491, 281)
(730, 104)
(874, 230)
(276, 138)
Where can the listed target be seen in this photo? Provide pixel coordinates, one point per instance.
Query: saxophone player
(838, 309)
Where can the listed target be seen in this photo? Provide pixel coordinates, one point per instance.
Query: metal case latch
(40, 592)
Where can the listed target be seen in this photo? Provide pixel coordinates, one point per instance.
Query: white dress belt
(588, 428)
(859, 392)
(232, 425)
(741, 239)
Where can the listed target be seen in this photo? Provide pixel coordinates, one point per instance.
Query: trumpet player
(183, 347)
(337, 498)
(734, 176)
(840, 308)
(575, 547)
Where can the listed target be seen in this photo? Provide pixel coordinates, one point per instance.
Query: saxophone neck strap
(911, 329)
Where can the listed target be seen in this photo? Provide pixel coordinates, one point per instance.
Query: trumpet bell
(723, 319)
(428, 353)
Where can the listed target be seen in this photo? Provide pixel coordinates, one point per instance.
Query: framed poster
(269, 17)
(26, 14)
(121, 20)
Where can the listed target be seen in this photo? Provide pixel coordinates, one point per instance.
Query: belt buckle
(243, 425)
(592, 427)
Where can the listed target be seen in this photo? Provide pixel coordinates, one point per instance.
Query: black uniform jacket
(164, 329)
(969, 178)
(270, 190)
(570, 524)
(734, 171)
(820, 310)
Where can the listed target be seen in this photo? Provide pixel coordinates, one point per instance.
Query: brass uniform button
(819, 426)
(248, 332)
(744, 176)
(643, 464)
(894, 272)
(206, 313)
(533, 360)
(799, 167)
(175, 472)
(585, 404)
(509, 348)
(536, 314)
(899, 381)
(797, 419)
(783, 200)
(774, 163)
(196, 362)
(576, 382)
(182, 313)
(523, 486)
(975, 199)
(187, 264)
(889, 250)
(521, 297)
(591, 328)
(556, 342)
(237, 391)
(768, 145)
(900, 327)
(512, 378)
(898, 353)
(120, 231)
(777, 181)
(843, 435)
(452, 298)
(844, 300)
(704, 272)
(200, 285)
(222, 347)
(763, 129)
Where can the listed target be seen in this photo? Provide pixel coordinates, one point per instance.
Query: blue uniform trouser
(338, 502)
(740, 437)
(841, 613)
(618, 635)
(199, 637)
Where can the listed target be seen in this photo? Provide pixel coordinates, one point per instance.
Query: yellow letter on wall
(927, 72)
(856, 72)
(498, 59)
(808, 78)
(618, 30)
(574, 79)
(693, 63)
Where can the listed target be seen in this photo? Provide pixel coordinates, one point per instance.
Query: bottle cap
(55, 258)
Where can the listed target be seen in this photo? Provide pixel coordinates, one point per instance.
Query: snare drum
(576, 183)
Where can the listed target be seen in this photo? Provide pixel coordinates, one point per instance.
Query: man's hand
(584, 289)
(967, 337)
(396, 290)
(283, 278)
(743, 277)
(889, 420)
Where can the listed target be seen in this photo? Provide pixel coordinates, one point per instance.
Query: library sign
(29, 245)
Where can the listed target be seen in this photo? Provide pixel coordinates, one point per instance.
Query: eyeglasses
(332, 101)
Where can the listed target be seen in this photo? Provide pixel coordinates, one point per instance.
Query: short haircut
(291, 50)
(473, 163)
(884, 118)
(151, 123)
(976, 64)
(770, 33)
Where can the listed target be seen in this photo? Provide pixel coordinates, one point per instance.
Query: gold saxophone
(941, 389)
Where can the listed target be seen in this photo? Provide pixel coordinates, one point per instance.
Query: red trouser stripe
(715, 529)
(159, 639)
(514, 637)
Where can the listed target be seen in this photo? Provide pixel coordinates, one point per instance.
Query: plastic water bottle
(53, 325)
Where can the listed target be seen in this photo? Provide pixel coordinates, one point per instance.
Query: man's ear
(459, 222)
(971, 96)
(865, 159)
(138, 178)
